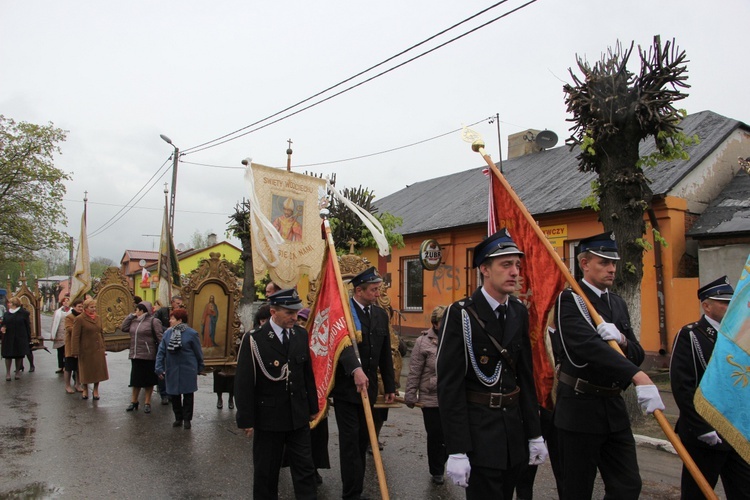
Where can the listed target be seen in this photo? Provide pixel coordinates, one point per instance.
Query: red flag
(541, 281)
(329, 333)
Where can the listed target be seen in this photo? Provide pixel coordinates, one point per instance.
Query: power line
(112, 220)
(351, 158)
(157, 209)
(226, 138)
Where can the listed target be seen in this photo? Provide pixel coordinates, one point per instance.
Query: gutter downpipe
(659, 267)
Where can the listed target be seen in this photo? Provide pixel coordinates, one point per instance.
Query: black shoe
(231, 404)
(164, 400)
(147, 408)
(32, 369)
(132, 406)
(220, 404)
(177, 423)
(438, 479)
(187, 424)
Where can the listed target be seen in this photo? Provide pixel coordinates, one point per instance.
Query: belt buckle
(496, 399)
(580, 381)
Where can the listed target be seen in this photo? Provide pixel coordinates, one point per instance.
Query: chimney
(211, 240)
(522, 143)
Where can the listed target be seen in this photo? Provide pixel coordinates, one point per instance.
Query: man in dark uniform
(488, 404)
(590, 414)
(691, 352)
(276, 398)
(354, 375)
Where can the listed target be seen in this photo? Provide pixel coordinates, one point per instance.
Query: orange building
(453, 211)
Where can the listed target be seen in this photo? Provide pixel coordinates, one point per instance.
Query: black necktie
(285, 338)
(500, 310)
(367, 312)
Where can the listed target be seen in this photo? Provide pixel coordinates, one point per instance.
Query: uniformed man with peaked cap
(354, 375)
(691, 351)
(590, 416)
(276, 398)
(488, 404)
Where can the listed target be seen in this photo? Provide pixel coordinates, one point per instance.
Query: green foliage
(643, 243)
(670, 146)
(592, 200)
(99, 265)
(658, 237)
(346, 225)
(31, 189)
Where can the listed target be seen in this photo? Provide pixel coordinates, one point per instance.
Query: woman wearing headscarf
(145, 336)
(180, 360)
(421, 388)
(88, 347)
(16, 332)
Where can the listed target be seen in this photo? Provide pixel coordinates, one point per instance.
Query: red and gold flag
(329, 333)
(540, 282)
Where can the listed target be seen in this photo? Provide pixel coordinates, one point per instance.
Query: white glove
(648, 398)
(459, 469)
(537, 451)
(608, 331)
(710, 438)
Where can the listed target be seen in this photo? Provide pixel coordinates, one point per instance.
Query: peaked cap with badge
(602, 245)
(495, 245)
(369, 275)
(288, 299)
(718, 289)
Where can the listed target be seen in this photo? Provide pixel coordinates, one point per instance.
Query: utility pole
(173, 196)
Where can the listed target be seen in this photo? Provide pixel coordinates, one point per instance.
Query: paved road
(54, 445)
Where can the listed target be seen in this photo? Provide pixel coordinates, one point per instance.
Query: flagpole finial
(478, 146)
(165, 188)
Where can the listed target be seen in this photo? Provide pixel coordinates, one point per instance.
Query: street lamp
(174, 180)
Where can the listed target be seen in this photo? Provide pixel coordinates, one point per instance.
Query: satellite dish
(181, 247)
(546, 139)
(142, 262)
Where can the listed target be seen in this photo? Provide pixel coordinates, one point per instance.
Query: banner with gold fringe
(723, 396)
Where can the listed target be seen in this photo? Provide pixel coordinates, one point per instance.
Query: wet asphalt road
(54, 445)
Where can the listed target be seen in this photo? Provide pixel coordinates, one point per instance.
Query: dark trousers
(268, 449)
(61, 357)
(436, 454)
(613, 454)
(485, 483)
(353, 439)
(525, 486)
(182, 406)
(734, 472)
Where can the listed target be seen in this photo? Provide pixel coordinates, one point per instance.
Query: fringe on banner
(270, 234)
(369, 220)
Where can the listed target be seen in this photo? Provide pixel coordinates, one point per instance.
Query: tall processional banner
(285, 224)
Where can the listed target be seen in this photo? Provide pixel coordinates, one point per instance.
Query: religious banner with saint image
(289, 201)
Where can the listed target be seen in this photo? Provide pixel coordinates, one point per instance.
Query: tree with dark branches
(614, 110)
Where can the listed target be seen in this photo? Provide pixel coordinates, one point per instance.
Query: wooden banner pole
(352, 335)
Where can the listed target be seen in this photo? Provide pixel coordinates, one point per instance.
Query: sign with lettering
(556, 234)
(430, 254)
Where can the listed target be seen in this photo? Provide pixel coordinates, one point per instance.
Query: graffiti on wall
(446, 278)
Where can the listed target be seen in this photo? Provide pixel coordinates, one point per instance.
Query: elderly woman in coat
(145, 335)
(88, 347)
(180, 360)
(421, 388)
(16, 332)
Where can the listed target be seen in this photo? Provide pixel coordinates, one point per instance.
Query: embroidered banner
(290, 202)
(723, 396)
(539, 284)
(329, 333)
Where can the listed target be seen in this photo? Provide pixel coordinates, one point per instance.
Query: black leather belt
(494, 399)
(584, 387)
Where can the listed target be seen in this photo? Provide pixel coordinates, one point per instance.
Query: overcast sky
(118, 74)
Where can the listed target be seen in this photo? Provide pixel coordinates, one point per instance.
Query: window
(413, 286)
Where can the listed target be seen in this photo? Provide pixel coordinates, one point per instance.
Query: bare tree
(613, 111)
(239, 226)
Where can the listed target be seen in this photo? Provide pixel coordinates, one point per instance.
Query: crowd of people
(470, 373)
